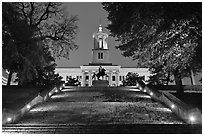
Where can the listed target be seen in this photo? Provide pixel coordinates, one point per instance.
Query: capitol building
(100, 57)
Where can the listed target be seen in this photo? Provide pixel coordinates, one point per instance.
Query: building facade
(116, 74)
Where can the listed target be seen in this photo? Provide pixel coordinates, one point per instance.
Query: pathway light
(9, 119)
(172, 106)
(28, 106)
(151, 93)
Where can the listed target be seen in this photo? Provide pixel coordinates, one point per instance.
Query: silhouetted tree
(131, 79)
(52, 25)
(29, 30)
(165, 36)
(73, 82)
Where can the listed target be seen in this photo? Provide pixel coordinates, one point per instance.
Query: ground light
(140, 88)
(9, 119)
(56, 91)
(137, 85)
(145, 90)
(151, 93)
(28, 106)
(192, 118)
(172, 106)
(50, 94)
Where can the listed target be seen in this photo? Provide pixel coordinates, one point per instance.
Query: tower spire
(100, 29)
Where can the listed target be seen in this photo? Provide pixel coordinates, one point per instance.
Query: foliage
(73, 82)
(47, 76)
(131, 79)
(53, 25)
(164, 36)
(32, 34)
(20, 53)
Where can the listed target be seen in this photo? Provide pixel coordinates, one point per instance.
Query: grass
(15, 97)
(191, 99)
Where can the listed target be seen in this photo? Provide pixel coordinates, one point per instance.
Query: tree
(165, 37)
(73, 82)
(46, 76)
(31, 28)
(52, 25)
(131, 79)
(20, 53)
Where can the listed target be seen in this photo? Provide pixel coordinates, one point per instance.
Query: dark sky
(89, 14)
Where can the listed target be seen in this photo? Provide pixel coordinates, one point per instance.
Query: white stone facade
(85, 73)
(116, 74)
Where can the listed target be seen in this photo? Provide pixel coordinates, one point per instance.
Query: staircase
(100, 110)
(104, 129)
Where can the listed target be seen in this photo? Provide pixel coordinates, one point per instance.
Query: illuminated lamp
(192, 118)
(9, 119)
(145, 90)
(140, 88)
(56, 91)
(28, 106)
(172, 106)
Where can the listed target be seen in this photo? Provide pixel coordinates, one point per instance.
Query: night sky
(89, 14)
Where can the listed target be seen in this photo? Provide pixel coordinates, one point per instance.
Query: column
(117, 79)
(90, 79)
(83, 78)
(110, 77)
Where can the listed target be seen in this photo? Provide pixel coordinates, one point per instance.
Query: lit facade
(116, 74)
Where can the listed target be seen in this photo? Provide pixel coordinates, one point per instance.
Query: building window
(87, 77)
(80, 77)
(100, 55)
(113, 78)
(86, 84)
(120, 78)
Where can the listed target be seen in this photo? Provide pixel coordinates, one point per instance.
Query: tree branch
(44, 16)
(31, 12)
(22, 9)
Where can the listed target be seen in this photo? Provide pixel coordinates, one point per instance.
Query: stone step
(104, 129)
